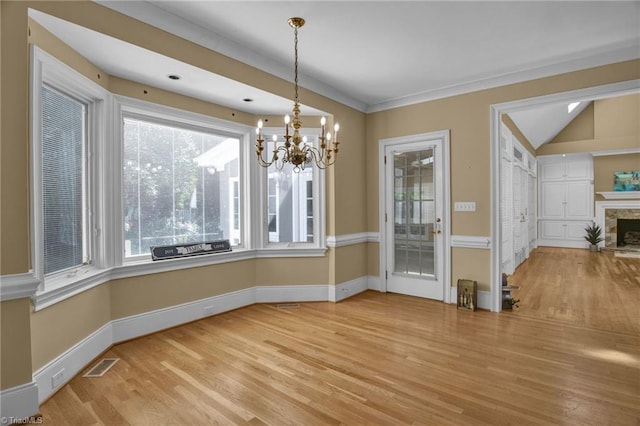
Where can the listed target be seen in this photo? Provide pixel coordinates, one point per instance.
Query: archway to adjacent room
(498, 173)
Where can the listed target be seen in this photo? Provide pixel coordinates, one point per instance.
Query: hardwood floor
(375, 358)
(595, 290)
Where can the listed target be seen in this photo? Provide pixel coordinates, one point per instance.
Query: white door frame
(446, 217)
(588, 94)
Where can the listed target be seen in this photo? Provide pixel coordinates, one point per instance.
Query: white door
(415, 214)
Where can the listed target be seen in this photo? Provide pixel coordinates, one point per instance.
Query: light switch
(465, 206)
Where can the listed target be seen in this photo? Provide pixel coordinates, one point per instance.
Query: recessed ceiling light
(174, 77)
(248, 100)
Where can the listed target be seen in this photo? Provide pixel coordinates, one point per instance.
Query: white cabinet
(517, 201)
(566, 199)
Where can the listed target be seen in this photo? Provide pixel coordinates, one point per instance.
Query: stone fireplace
(619, 220)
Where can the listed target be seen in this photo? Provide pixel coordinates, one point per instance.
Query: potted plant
(594, 236)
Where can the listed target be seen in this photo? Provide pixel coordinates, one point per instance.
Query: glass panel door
(414, 213)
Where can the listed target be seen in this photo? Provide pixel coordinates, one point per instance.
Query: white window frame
(47, 70)
(129, 107)
(105, 158)
(293, 249)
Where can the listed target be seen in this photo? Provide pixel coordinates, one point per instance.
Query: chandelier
(295, 149)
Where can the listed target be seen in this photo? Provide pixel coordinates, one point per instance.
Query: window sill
(64, 287)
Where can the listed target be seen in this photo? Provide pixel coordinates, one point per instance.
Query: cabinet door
(579, 200)
(553, 200)
(552, 230)
(579, 168)
(552, 170)
(575, 231)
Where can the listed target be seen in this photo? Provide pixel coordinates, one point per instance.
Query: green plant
(594, 234)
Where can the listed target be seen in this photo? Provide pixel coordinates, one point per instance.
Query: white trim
(161, 319)
(620, 195)
(352, 239)
(18, 402)
(76, 358)
(383, 144)
(17, 286)
(484, 298)
(72, 361)
(470, 241)
(347, 289)
(590, 93)
(621, 151)
(373, 283)
(291, 293)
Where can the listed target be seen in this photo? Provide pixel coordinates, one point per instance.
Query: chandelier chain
(295, 64)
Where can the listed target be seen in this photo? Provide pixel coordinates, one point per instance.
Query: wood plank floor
(374, 359)
(595, 290)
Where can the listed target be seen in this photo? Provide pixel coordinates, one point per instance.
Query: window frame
(46, 70)
(105, 187)
(173, 117)
(293, 249)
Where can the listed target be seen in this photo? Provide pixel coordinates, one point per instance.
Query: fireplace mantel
(620, 195)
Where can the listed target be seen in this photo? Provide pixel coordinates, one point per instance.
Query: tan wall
(617, 117)
(467, 117)
(580, 128)
(59, 327)
(15, 349)
(605, 166)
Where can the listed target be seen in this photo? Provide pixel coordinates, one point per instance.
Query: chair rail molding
(471, 241)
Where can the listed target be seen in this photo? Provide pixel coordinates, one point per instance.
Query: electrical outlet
(465, 206)
(57, 379)
(209, 310)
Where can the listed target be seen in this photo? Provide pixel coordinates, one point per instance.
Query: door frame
(442, 135)
(496, 110)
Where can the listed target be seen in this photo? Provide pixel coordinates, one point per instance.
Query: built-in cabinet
(566, 199)
(518, 201)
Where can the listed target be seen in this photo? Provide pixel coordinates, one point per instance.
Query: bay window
(180, 185)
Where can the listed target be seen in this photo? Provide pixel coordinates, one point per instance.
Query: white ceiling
(369, 55)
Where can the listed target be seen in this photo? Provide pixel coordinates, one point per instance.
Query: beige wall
(352, 184)
(617, 117)
(580, 128)
(605, 166)
(15, 346)
(467, 117)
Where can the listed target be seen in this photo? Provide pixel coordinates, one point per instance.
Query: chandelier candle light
(295, 149)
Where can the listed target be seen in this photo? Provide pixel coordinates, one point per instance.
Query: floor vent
(101, 367)
(288, 305)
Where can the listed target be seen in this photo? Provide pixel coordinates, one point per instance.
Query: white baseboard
(373, 283)
(484, 298)
(160, 319)
(347, 289)
(72, 361)
(18, 402)
(291, 293)
(75, 359)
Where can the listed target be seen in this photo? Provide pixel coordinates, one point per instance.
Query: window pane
(180, 186)
(289, 204)
(63, 188)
